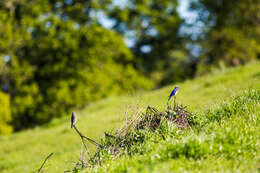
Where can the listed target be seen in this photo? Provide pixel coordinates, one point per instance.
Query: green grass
(226, 139)
(25, 151)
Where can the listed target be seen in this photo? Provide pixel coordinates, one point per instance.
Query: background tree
(151, 28)
(54, 63)
(17, 17)
(154, 29)
(76, 65)
(231, 32)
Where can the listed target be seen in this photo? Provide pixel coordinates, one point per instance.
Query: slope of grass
(25, 151)
(226, 139)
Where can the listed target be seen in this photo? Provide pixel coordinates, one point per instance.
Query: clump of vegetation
(161, 136)
(136, 130)
(229, 132)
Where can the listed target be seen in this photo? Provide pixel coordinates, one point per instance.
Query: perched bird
(173, 93)
(73, 119)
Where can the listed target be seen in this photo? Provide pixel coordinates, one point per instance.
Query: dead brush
(133, 130)
(179, 115)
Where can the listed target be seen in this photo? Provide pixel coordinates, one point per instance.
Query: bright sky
(183, 10)
(189, 17)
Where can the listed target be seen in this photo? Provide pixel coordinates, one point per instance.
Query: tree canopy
(56, 64)
(231, 30)
(56, 55)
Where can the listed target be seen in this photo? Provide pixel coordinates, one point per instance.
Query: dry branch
(82, 137)
(44, 162)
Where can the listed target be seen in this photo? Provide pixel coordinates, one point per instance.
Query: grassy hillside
(226, 139)
(25, 151)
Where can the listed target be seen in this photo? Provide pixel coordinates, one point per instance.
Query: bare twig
(129, 125)
(39, 170)
(82, 137)
(82, 155)
(126, 121)
(152, 119)
(109, 135)
(174, 102)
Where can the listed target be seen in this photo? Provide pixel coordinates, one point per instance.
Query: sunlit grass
(25, 151)
(225, 139)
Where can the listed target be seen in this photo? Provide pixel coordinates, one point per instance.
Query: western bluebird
(173, 93)
(73, 119)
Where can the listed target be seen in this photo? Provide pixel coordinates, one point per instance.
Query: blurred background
(59, 55)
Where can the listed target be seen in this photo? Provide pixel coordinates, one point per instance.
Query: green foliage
(232, 34)
(5, 114)
(177, 68)
(151, 25)
(82, 12)
(24, 92)
(154, 26)
(70, 67)
(58, 64)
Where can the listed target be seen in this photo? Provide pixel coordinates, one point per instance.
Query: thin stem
(82, 137)
(45, 162)
(85, 147)
(91, 140)
(82, 158)
(174, 102)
